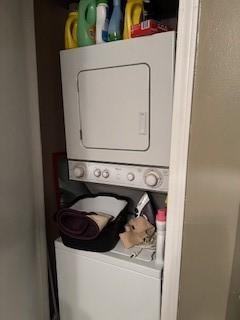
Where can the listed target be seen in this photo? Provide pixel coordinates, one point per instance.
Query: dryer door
(114, 111)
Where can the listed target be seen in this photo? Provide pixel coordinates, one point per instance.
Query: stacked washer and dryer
(118, 109)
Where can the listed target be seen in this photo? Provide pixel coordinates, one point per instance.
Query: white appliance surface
(103, 204)
(118, 100)
(136, 252)
(106, 286)
(105, 105)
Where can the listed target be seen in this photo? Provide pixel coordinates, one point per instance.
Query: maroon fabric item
(77, 224)
(106, 239)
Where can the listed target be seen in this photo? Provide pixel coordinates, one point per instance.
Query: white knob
(130, 176)
(152, 179)
(105, 174)
(97, 173)
(78, 172)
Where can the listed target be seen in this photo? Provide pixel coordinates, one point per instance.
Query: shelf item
(133, 15)
(71, 30)
(86, 23)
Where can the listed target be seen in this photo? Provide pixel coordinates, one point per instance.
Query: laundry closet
(118, 106)
(118, 111)
(192, 171)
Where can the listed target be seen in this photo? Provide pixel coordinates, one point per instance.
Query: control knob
(105, 174)
(131, 176)
(152, 178)
(78, 172)
(97, 172)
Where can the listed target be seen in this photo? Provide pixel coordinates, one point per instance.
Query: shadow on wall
(204, 246)
(233, 308)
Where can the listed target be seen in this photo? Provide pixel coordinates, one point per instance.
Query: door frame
(182, 101)
(36, 159)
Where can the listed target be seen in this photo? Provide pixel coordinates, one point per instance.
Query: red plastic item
(161, 215)
(148, 27)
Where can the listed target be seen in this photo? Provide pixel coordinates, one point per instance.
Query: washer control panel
(141, 177)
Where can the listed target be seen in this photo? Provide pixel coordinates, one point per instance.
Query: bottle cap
(161, 215)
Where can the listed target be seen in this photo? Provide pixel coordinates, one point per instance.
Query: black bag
(109, 236)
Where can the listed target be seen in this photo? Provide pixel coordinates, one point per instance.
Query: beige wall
(23, 265)
(233, 308)
(213, 178)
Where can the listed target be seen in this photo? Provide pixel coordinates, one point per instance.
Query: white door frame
(183, 88)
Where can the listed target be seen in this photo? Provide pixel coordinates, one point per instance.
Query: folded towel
(81, 225)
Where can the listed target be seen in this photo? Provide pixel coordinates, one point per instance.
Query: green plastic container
(86, 23)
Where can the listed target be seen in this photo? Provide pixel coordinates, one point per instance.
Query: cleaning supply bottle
(86, 22)
(102, 21)
(133, 15)
(71, 30)
(161, 232)
(148, 11)
(115, 24)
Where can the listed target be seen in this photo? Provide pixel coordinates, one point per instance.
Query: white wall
(23, 276)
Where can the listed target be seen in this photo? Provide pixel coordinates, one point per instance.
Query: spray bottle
(115, 24)
(161, 233)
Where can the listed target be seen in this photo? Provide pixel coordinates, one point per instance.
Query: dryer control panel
(149, 178)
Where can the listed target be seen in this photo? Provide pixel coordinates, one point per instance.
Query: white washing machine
(106, 286)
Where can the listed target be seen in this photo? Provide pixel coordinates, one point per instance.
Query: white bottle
(102, 21)
(161, 233)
